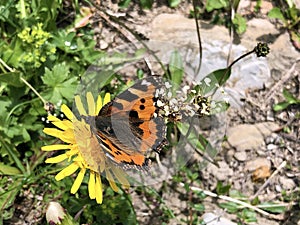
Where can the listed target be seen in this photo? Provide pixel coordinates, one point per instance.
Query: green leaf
(13, 153)
(55, 76)
(276, 13)
(146, 4)
(280, 106)
(248, 216)
(240, 23)
(216, 4)
(124, 3)
(290, 3)
(176, 70)
(60, 84)
(289, 97)
(174, 3)
(8, 170)
(222, 189)
(7, 198)
(12, 78)
(272, 207)
(230, 206)
(214, 80)
(199, 207)
(220, 106)
(196, 140)
(238, 195)
(192, 138)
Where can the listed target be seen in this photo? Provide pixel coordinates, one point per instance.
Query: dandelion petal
(91, 103)
(68, 113)
(98, 105)
(55, 147)
(98, 189)
(67, 171)
(57, 159)
(79, 106)
(91, 185)
(78, 181)
(106, 98)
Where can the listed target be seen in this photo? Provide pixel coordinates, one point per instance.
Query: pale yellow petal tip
(79, 106)
(70, 169)
(99, 199)
(98, 105)
(91, 103)
(106, 98)
(98, 189)
(66, 110)
(78, 181)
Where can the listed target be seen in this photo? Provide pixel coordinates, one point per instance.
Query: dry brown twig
(244, 204)
(282, 81)
(280, 167)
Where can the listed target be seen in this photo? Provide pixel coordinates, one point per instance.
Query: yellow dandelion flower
(82, 150)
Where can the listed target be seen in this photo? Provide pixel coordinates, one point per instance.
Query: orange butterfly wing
(127, 127)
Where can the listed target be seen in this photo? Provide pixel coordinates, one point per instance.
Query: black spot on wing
(133, 114)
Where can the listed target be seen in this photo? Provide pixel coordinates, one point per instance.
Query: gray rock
(248, 73)
(223, 172)
(286, 183)
(213, 219)
(256, 163)
(248, 137)
(241, 156)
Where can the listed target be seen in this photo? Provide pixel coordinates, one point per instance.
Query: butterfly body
(128, 127)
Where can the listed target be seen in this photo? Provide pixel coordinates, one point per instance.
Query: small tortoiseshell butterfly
(129, 127)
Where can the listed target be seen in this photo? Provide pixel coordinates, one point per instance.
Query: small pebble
(271, 147)
(241, 156)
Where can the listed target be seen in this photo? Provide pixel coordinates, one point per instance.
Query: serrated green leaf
(60, 84)
(8, 170)
(12, 78)
(276, 13)
(55, 76)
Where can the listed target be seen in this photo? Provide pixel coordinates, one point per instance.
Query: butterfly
(128, 128)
